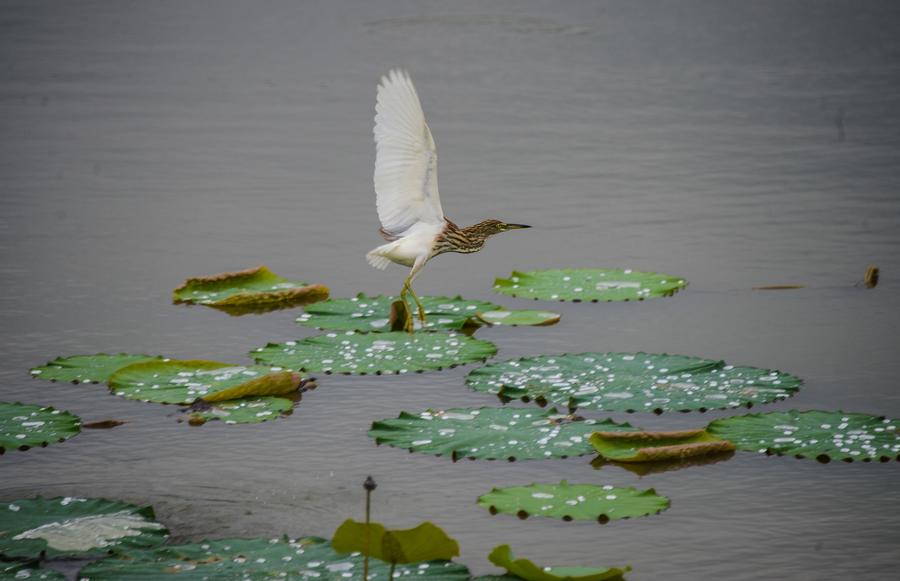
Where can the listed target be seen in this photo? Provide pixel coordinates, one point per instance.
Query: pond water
(734, 144)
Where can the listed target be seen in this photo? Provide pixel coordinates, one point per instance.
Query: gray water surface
(735, 144)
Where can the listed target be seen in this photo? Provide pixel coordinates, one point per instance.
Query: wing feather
(405, 158)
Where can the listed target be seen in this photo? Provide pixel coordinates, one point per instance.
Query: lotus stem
(369, 485)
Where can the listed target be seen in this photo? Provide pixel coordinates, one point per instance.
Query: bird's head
(491, 227)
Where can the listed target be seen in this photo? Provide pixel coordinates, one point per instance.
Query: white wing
(405, 160)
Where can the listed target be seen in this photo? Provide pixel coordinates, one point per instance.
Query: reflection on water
(737, 145)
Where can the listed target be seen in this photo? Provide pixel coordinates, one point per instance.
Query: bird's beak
(517, 226)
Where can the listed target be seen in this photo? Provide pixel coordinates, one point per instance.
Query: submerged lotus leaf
(657, 446)
(813, 434)
(25, 426)
(362, 353)
(258, 559)
(519, 318)
(525, 569)
(248, 289)
(630, 382)
(365, 313)
(574, 501)
(87, 368)
(491, 433)
(425, 542)
(184, 381)
(588, 284)
(30, 571)
(75, 527)
(246, 410)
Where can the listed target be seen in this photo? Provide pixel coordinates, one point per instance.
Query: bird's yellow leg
(419, 305)
(408, 325)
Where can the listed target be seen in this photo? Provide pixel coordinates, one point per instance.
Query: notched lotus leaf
(184, 381)
(491, 433)
(426, 542)
(246, 410)
(519, 318)
(75, 527)
(25, 426)
(588, 284)
(574, 501)
(524, 569)
(813, 434)
(365, 313)
(632, 382)
(375, 353)
(254, 290)
(657, 446)
(87, 368)
(308, 558)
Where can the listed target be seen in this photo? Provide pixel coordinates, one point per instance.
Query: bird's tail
(377, 260)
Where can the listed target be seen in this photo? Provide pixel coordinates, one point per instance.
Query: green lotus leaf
(813, 434)
(75, 527)
(642, 469)
(246, 410)
(257, 559)
(252, 290)
(25, 426)
(574, 501)
(365, 313)
(588, 284)
(362, 353)
(629, 382)
(657, 446)
(87, 368)
(519, 318)
(523, 568)
(30, 571)
(184, 381)
(426, 542)
(491, 433)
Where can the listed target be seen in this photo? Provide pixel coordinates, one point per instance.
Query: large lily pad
(29, 571)
(75, 527)
(25, 426)
(252, 290)
(87, 368)
(425, 542)
(574, 501)
(525, 569)
(658, 446)
(365, 313)
(362, 353)
(184, 381)
(813, 434)
(630, 382)
(257, 559)
(246, 410)
(491, 433)
(588, 284)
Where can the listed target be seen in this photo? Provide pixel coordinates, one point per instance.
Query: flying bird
(406, 188)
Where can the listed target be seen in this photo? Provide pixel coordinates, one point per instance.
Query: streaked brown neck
(463, 240)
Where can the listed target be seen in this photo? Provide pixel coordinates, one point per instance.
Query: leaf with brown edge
(502, 556)
(657, 446)
(426, 542)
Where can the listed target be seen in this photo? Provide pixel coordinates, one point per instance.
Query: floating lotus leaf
(574, 501)
(588, 284)
(30, 571)
(523, 568)
(87, 368)
(491, 433)
(426, 542)
(252, 290)
(362, 353)
(813, 434)
(519, 318)
(25, 426)
(184, 381)
(257, 559)
(642, 469)
(365, 313)
(629, 382)
(657, 446)
(247, 410)
(75, 527)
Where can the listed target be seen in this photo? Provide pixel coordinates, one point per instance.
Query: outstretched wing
(405, 160)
